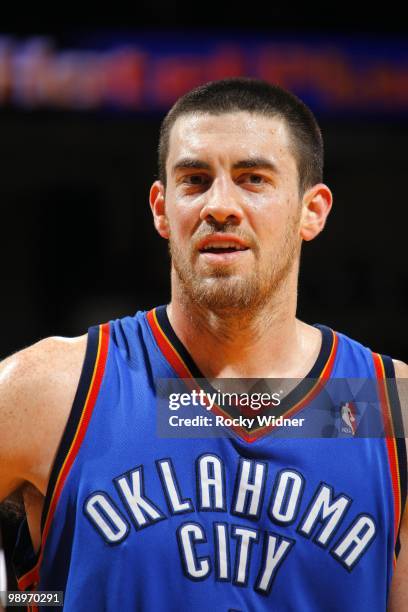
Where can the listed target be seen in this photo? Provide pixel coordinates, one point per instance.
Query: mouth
(220, 249)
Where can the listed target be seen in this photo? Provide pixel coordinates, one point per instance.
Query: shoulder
(401, 369)
(37, 389)
(401, 372)
(44, 369)
(399, 588)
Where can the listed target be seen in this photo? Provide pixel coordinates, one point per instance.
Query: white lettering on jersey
(286, 496)
(133, 496)
(276, 549)
(211, 483)
(195, 567)
(222, 551)
(355, 542)
(106, 518)
(246, 537)
(249, 494)
(168, 479)
(322, 508)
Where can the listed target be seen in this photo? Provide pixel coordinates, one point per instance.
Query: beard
(224, 290)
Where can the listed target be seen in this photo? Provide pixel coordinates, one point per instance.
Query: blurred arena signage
(149, 72)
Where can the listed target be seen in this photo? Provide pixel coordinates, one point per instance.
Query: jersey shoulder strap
(25, 561)
(394, 437)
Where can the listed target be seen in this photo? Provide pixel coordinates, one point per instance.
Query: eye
(252, 178)
(195, 179)
(255, 179)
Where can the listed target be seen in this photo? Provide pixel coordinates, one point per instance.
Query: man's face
(233, 208)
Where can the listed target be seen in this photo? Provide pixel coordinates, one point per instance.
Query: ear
(157, 205)
(316, 205)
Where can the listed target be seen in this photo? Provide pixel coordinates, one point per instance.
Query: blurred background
(80, 110)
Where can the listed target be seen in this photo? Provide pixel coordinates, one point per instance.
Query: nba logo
(348, 418)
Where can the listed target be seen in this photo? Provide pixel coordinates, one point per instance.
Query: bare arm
(398, 599)
(37, 388)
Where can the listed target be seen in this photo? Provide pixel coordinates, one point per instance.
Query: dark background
(79, 246)
(77, 242)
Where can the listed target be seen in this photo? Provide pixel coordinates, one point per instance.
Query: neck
(266, 342)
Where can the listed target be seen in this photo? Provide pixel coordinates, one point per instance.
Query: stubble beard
(227, 292)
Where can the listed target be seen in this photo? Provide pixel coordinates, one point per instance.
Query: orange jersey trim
(178, 364)
(390, 444)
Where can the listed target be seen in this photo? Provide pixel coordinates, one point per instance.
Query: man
(127, 519)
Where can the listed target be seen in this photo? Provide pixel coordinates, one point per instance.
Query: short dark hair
(258, 97)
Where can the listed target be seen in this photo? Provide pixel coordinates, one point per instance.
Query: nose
(222, 203)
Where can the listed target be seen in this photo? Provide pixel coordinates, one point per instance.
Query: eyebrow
(190, 163)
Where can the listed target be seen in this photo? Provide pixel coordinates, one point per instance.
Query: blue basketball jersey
(256, 520)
